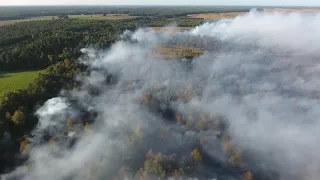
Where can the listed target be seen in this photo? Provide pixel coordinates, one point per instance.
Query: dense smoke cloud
(263, 82)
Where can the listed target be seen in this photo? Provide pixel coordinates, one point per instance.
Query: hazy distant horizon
(284, 3)
(160, 5)
(142, 5)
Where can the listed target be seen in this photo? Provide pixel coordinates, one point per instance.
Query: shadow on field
(3, 75)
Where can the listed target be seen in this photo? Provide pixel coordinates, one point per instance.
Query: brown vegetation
(217, 16)
(18, 117)
(248, 176)
(193, 122)
(24, 145)
(196, 155)
(3, 23)
(220, 16)
(177, 52)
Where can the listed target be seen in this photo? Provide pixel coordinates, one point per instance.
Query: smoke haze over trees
(39, 44)
(247, 109)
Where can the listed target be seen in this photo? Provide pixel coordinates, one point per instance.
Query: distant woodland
(10, 13)
(54, 45)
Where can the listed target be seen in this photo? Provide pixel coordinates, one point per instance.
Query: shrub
(196, 155)
(18, 117)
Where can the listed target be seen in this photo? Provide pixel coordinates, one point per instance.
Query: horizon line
(200, 5)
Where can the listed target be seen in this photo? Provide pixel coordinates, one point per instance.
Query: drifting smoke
(264, 82)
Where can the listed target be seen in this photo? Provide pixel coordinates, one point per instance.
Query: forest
(116, 100)
(39, 44)
(53, 45)
(17, 109)
(11, 13)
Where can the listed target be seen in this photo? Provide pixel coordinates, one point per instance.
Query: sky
(164, 2)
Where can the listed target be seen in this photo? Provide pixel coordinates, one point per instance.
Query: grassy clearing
(16, 80)
(92, 17)
(101, 17)
(231, 15)
(217, 16)
(171, 29)
(41, 18)
(175, 52)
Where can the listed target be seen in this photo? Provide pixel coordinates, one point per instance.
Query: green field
(93, 17)
(16, 80)
(30, 19)
(101, 17)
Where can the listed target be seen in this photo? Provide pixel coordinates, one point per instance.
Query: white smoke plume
(264, 82)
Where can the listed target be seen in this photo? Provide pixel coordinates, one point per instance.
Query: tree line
(16, 12)
(146, 159)
(17, 118)
(54, 44)
(39, 44)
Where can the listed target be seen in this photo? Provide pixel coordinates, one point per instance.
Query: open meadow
(40, 18)
(102, 17)
(89, 17)
(171, 29)
(231, 15)
(16, 80)
(176, 52)
(217, 16)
